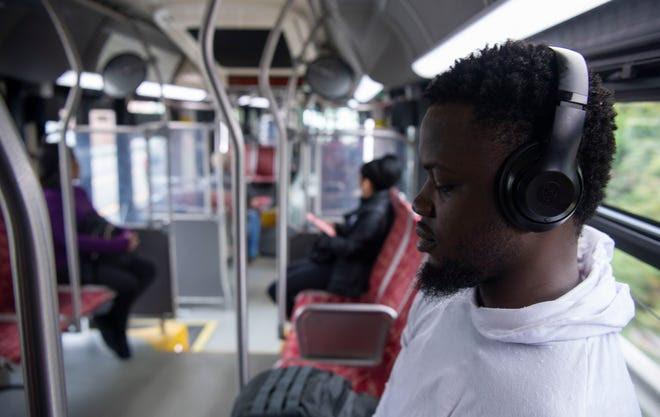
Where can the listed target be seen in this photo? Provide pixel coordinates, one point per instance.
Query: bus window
(633, 188)
(157, 147)
(644, 281)
(636, 169)
(140, 189)
(340, 169)
(113, 172)
(189, 180)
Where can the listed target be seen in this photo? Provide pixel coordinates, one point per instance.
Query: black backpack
(301, 391)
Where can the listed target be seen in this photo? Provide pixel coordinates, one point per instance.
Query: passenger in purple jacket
(105, 251)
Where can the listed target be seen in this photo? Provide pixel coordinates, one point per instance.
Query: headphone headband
(573, 75)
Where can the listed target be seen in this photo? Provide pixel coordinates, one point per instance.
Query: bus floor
(261, 320)
(201, 382)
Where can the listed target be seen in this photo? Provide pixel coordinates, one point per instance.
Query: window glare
(636, 168)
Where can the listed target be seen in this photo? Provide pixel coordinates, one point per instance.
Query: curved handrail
(283, 153)
(152, 61)
(297, 63)
(290, 96)
(72, 100)
(240, 197)
(32, 260)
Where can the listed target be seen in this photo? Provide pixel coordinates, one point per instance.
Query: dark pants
(125, 274)
(303, 274)
(128, 276)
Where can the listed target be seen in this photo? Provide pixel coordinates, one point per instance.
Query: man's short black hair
(512, 89)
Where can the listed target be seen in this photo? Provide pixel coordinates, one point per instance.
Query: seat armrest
(347, 334)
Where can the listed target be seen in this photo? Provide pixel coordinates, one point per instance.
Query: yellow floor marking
(204, 336)
(171, 337)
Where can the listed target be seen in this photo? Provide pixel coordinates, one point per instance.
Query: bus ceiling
(375, 37)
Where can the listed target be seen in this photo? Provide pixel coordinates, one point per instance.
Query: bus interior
(184, 114)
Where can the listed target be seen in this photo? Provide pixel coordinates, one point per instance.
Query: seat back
(260, 163)
(391, 284)
(391, 280)
(266, 164)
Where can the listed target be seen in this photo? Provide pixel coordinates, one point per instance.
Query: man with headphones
(518, 312)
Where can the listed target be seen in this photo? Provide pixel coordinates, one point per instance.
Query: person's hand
(325, 227)
(133, 240)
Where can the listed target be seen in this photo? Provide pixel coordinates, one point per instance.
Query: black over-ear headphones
(540, 183)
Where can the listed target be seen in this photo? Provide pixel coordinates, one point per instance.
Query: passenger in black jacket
(342, 264)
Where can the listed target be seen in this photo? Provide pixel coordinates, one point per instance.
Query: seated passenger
(515, 317)
(342, 264)
(106, 256)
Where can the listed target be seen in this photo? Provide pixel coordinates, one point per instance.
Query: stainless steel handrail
(68, 208)
(152, 61)
(239, 204)
(154, 64)
(32, 260)
(221, 216)
(290, 97)
(297, 63)
(283, 169)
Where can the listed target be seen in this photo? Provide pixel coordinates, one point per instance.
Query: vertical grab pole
(33, 268)
(290, 96)
(283, 169)
(166, 114)
(69, 215)
(293, 80)
(220, 210)
(318, 170)
(239, 205)
(305, 162)
(207, 170)
(150, 204)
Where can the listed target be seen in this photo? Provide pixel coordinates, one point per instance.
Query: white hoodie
(557, 358)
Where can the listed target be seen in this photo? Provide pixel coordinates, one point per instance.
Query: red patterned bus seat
(260, 163)
(391, 283)
(93, 298)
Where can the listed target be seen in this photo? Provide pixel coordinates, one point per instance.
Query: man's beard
(448, 278)
(483, 259)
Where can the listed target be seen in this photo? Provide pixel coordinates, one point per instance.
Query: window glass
(139, 181)
(190, 176)
(113, 172)
(157, 147)
(341, 158)
(636, 170)
(644, 282)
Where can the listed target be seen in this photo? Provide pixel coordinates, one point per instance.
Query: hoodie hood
(597, 306)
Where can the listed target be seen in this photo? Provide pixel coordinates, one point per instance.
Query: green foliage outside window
(635, 182)
(635, 188)
(644, 281)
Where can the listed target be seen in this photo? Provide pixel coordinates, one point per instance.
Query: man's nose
(423, 205)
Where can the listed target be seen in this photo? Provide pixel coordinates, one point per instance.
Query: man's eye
(444, 188)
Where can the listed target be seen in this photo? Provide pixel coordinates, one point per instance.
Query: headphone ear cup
(513, 168)
(534, 199)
